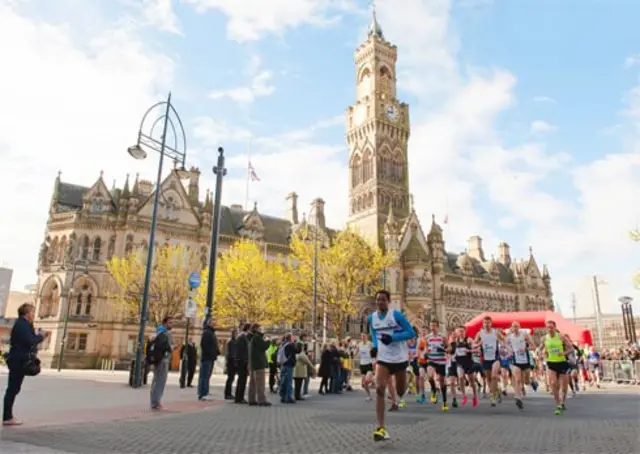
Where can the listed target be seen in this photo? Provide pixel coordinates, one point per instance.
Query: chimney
(292, 208)
(194, 185)
(474, 246)
(504, 254)
(316, 216)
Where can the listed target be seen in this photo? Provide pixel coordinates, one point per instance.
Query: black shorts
(441, 369)
(487, 365)
(560, 368)
(452, 370)
(394, 368)
(477, 367)
(523, 367)
(414, 367)
(466, 366)
(366, 368)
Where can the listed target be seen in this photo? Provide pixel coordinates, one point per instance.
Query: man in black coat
(242, 363)
(189, 353)
(208, 354)
(230, 365)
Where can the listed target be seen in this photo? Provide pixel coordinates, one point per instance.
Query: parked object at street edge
(208, 355)
(21, 359)
(158, 355)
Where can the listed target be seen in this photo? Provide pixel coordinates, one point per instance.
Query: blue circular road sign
(194, 280)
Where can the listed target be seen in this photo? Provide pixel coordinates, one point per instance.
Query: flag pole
(246, 194)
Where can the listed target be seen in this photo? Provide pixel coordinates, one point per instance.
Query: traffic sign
(194, 280)
(190, 308)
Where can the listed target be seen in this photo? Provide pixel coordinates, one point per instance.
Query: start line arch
(531, 320)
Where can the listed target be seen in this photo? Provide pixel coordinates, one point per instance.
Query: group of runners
(398, 359)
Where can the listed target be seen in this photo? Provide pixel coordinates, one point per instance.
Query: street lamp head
(137, 152)
(625, 299)
(220, 151)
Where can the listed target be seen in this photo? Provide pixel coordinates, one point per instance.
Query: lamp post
(219, 172)
(65, 325)
(596, 290)
(627, 319)
(163, 113)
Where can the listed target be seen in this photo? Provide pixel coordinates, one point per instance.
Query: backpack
(156, 349)
(282, 356)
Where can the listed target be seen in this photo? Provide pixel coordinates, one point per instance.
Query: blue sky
(525, 126)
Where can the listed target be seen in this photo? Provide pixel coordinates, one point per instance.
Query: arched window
(111, 248)
(97, 244)
(84, 248)
(87, 306)
(367, 167)
(96, 206)
(78, 310)
(356, 171)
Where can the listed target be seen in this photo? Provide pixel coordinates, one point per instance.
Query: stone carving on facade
(43, 257)
(417, 284)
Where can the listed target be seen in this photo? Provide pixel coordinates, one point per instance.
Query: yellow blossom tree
(248, 287)
(346, 268)
(169, 281)
(635, 236)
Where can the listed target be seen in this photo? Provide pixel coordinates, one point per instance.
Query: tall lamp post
(314, 303)
(627, 319)
(596, 283)
(219, 172)
(162, 113)
(65, 326)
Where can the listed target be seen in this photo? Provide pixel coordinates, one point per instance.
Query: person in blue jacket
(24, 342)
(390, 331)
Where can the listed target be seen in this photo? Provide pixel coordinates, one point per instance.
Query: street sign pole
(189, 312)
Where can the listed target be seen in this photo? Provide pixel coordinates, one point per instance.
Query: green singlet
(555, 349)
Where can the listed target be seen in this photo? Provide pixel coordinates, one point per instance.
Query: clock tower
(377, 137)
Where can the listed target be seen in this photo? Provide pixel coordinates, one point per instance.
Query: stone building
(95, 223)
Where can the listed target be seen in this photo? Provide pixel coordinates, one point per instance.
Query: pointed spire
(374, 28)
(126, 192)
(545, 272)
(208, 203)
(255, 207)
(136, 186)
(101, 174)
(530, 251)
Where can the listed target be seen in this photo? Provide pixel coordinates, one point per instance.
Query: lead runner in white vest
(390, 331)
(519, 343)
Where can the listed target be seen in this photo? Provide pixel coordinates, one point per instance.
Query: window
(87, 306)
(97, 244)
(96, 206)
(72, 341)
(76, 342)
(82, 341)
(79, 304)
(84, 248)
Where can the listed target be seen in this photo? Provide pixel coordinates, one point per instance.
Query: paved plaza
(95, 413)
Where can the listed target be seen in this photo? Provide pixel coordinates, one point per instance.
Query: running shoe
(563, 406)
(519, 404)
(394, 407)
(433, 398)
(534, 386)
(380, 434)
(402, 403)
(454, 403)
(475, 401)
(558, 410)
(445, 407)
(423, 399)
(465, 400)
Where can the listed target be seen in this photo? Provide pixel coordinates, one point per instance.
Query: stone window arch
(367, 166)
(97, 249)
(111, 247)
(356, 171)
(84, 247)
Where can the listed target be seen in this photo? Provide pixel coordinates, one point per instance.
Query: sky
(525, 115)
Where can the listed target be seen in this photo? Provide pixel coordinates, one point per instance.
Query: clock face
(392, 112)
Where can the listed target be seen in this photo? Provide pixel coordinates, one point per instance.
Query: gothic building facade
(89, 225)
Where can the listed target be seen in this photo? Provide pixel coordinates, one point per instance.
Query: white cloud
(632, 60)
(541, 127)
(67, 105)
(160, 14)
(544, 99)
(250, 20)
(260, 85)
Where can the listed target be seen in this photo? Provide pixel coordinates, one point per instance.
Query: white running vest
(489, 344)
(365, 353)
(518, 345)
(395, 352)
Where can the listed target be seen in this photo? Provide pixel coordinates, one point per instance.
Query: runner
(366, 363)
(593, 358)
(572, 360)
(520, 344)
(452, 371)
(422, 363)
(461, 349)
(488, 339)
(413, 365)
(504, 355)
(478, 372)
(556, 348)
(390, 331)
(437, 347)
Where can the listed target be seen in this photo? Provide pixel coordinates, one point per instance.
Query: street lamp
(314, 305)
(65, 326)
(219, 172)
(627, 319)
(163, 113)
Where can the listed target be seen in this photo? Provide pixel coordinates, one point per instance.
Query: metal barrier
(107, 364)
(621, 371)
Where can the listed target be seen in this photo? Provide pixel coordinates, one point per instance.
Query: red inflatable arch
(531, 320)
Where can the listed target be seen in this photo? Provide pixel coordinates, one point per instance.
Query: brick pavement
(600, 421)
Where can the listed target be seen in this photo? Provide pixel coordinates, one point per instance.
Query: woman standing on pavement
(24, 342)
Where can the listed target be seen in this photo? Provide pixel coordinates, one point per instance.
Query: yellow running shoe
(380, 434)
(433, 398)
(402, 403)
(445, 407)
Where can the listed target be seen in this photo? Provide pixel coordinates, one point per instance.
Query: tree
(348, 268)
(635, 236)
(248, 287)
(168, 291)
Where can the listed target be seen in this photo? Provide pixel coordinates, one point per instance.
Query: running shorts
(560, 368)
(488, 364)
(414, 367)
(477, 367)
(523, 366)
(505, 363)
(394, 368)
(452, 370)
(441, 369)
(467, 367)
(366, 368)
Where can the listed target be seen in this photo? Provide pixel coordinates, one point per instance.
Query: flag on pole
(446, 218)
(252, 173)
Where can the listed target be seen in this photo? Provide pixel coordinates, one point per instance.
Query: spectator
(287, 361)
(230, 365)
(301, 370)
(324, 371)
(161, 355)
(209, 354)
(257, 365)
(242, 363)
(272, 358)
(24, 342)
